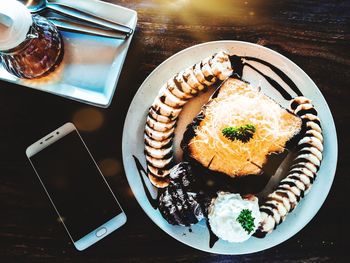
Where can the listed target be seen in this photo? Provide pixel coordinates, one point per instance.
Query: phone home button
(101, 232)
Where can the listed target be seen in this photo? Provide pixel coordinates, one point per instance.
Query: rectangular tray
(91, 65)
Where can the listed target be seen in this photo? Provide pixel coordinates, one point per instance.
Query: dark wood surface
(314, 34)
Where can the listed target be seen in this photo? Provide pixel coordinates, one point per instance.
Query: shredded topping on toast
(237, 104)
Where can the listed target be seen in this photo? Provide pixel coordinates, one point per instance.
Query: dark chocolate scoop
(179, 203)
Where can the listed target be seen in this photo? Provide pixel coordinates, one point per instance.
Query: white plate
(133, 143)
(91, 65)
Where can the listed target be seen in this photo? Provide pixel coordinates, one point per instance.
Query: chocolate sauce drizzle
(140, 169)
(212, 237)
(278, 72)
(238, 63)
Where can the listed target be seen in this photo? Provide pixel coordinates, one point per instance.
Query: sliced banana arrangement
(165, 109)
(301, 174)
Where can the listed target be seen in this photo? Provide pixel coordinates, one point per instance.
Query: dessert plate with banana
(229, 147)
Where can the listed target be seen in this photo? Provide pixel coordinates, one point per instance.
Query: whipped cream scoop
(233, 218)
(15, 21)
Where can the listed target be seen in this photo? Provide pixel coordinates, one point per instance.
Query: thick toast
(237, 104)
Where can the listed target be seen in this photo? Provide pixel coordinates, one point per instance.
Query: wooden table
(314, 34)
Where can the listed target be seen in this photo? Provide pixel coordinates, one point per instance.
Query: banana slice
(305, 172)
(158, 163)
(165, 110)
(159, 126)
(281, 198)
(180, 82)
(170, 99)
(197, 70)
(312, 141)
(191, 79)
(313, 133)
(311, 150)
(221, 65)
(207, 72)
(304, 179)
(291, 186)
(307, 165)
(311, 117)
(303, 109)
(274, 212)
(281, 209)
(297, 101)
(267, 224)
(310, 157)
(176, 91)
(157, 144)
(158, 153)
(159, 117)
(158, 135)
(313, 126)
(158, 182)
(293, 200)
(158, 172)
(297, 182)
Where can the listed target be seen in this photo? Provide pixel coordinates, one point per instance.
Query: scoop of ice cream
(233, 218)
(179, 204)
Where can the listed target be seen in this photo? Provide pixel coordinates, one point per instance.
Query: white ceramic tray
(91, 65)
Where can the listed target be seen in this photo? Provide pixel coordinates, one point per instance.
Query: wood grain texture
(313, 34)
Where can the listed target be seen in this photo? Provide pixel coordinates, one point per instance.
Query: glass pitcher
(38, 54)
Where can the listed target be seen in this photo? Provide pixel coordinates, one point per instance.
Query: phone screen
(75, 185)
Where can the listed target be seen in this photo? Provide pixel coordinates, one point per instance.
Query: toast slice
(238, 129)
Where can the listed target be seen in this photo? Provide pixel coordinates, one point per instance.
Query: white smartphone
(75, 186)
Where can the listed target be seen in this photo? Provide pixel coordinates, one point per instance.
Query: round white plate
(133, 143)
